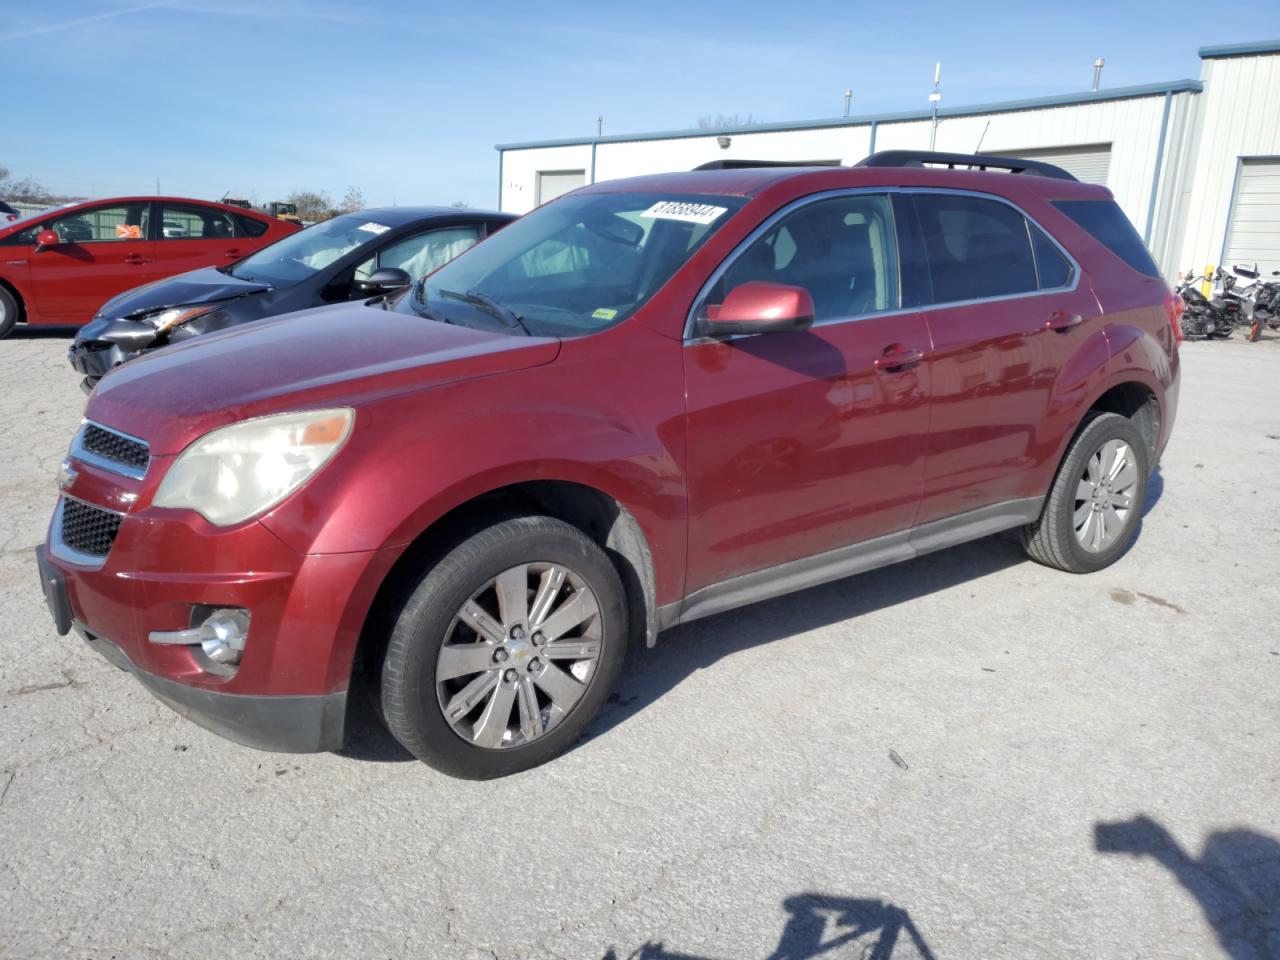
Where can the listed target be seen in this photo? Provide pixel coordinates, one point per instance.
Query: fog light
(223, 635)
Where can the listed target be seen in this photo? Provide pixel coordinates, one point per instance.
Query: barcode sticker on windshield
(373, 227)
(680, 210)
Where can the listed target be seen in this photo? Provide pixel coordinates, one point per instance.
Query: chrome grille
(87, 529)
(116, 447)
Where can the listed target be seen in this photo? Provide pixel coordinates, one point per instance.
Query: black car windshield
(301, 254)
(575, 266)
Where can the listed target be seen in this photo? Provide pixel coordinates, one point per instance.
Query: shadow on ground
(1236, 879)
(650, 674)
(25, 331)
(819, 925)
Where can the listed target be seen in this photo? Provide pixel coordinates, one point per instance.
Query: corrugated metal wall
(1239, 116)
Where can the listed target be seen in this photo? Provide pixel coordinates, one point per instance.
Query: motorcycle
(1212, 318)
(1264, 299)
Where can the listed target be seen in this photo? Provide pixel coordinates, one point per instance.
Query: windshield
(575, 266)
(302, 254)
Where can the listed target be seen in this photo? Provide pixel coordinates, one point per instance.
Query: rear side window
(1105, 222)
(250, 227)
(976, 248)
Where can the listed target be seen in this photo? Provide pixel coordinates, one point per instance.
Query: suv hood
(206, 285)
(339, 355)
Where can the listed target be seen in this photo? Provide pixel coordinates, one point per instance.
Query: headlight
(239, 471)
(165, 320)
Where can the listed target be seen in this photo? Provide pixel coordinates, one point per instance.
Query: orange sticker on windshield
(128, 231)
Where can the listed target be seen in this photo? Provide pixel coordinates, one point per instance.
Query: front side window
(104, 224)
(841, 250)
(189, 222)
(422, 253)
(575, 266)
(302, 254)
(976, 248)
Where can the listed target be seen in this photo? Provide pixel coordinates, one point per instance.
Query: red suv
(648, 401)
(61, 267)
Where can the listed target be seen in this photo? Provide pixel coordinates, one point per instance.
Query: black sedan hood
(207, 285)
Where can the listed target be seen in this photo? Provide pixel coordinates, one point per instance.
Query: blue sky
(405, 101)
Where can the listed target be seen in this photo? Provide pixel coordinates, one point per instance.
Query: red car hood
(336, 356)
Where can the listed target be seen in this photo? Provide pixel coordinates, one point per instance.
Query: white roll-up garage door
(1254, 235)
(553, 183)
(1088, 163)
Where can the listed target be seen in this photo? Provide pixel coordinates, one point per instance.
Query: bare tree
(726, 120)
(26, 189)
(460, 205)
(312, 205)
(353, 201)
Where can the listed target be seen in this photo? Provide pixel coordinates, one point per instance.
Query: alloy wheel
(519, 656)
(1105, 496)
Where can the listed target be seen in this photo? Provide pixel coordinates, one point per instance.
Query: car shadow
(25, 331)
(1236, 879)
(820, 925)
(651, 673)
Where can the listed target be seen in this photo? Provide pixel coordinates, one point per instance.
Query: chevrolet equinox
(648, 401)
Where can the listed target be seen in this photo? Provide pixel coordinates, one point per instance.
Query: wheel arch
(599, 515)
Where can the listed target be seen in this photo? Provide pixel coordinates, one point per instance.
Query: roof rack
(747, 164)
(972, 161)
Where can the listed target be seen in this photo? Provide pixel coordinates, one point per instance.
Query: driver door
(799, 442)
(104, 251)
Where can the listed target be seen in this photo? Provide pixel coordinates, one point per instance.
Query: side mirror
(760, 307)
(47, 238)
(384, 280)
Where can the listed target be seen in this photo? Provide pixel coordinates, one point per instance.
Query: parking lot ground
(965, 756)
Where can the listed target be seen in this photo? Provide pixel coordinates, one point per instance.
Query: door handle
(137, 259)
(1060, 322)
(897, 357)
(232, 254)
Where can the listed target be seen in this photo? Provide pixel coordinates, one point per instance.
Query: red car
(648, 401)
(59, 268)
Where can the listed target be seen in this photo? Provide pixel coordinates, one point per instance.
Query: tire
(418, 683)
(9, 312)
(1054, 539)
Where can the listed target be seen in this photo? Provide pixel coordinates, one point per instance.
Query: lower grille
(88, 529)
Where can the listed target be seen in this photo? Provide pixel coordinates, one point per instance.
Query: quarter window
(1052, 269)
(976, 248)
(104, 224)
(841, 250)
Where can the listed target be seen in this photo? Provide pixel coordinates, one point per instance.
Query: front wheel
(504, 652)
(1091, 514)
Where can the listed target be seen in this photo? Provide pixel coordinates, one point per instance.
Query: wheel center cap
(520, 652)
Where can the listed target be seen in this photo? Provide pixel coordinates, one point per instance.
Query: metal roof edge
(1033, 103)
(1239, 49)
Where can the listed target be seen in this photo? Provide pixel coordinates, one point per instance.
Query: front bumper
(297, 723)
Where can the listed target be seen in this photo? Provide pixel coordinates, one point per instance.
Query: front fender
(412, 459)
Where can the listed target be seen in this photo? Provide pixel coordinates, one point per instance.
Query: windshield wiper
(501, 311)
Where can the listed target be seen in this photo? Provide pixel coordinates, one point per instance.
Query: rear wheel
(1091, 514)
(504, 652)
(9, 312)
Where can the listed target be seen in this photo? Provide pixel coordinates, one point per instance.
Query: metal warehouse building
(1194, 163)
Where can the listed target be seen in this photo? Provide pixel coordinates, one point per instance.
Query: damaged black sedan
(353, 256)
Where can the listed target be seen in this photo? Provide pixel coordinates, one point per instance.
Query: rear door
(1008, 312)
(798, 442)
(192, 235)
(104, 250)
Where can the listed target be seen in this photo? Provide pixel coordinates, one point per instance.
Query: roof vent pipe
(1097, 72)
